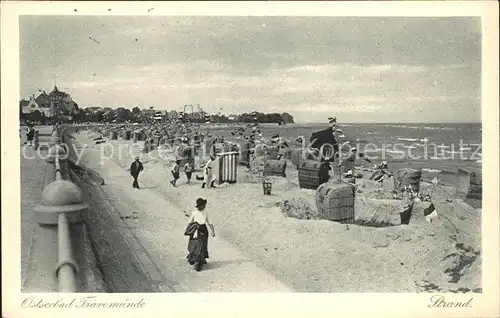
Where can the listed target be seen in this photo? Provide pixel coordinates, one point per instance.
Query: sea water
(430, 146)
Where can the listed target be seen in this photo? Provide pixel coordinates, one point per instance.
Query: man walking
(135, 168)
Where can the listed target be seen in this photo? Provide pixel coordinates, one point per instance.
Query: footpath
(152, 229)
(39, 243)
(38, 248)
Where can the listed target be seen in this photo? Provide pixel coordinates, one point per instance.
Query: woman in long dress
(197, 230)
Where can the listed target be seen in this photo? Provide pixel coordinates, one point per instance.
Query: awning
(322, 137)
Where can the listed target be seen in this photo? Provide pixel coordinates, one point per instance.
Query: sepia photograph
(237, 153)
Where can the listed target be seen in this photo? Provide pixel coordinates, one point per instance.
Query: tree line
(137, 115)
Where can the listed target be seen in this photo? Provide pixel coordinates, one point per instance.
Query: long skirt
(198, 247)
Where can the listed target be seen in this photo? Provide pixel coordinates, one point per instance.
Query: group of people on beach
(346, 162)
(199, 226)
(208, 178)
(198, 223)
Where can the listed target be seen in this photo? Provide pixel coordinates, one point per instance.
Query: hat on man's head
(136, 157)
(201, 202)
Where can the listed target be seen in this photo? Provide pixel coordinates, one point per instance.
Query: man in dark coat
(135, 168)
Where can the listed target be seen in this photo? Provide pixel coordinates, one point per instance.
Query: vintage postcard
(246, 159)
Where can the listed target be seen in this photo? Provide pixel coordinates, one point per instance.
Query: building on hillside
(63, 102)
(43, 100)
(31, 105)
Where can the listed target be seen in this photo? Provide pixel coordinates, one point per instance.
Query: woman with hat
(197, 230)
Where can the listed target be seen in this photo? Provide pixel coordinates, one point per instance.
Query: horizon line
(398, 122)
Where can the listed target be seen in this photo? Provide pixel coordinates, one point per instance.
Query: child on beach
(175, 172)
(188, 170)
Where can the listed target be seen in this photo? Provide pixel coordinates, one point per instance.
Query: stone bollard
(61, 206)
(60, 196)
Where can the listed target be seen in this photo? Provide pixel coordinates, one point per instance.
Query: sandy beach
(319, 255)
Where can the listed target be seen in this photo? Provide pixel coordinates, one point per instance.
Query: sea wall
(48, 244)
(114, 247)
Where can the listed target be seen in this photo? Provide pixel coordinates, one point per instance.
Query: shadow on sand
(148, 187)
(220, 264)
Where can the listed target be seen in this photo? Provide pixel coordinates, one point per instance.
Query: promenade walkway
(39, 243)
(35, 270)
(152, 230)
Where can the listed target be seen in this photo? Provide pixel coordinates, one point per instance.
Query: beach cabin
(227, 166)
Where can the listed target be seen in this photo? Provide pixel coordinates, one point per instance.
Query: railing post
(67, 269)
(61, 205)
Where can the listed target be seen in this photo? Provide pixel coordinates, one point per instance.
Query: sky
(368, 69)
